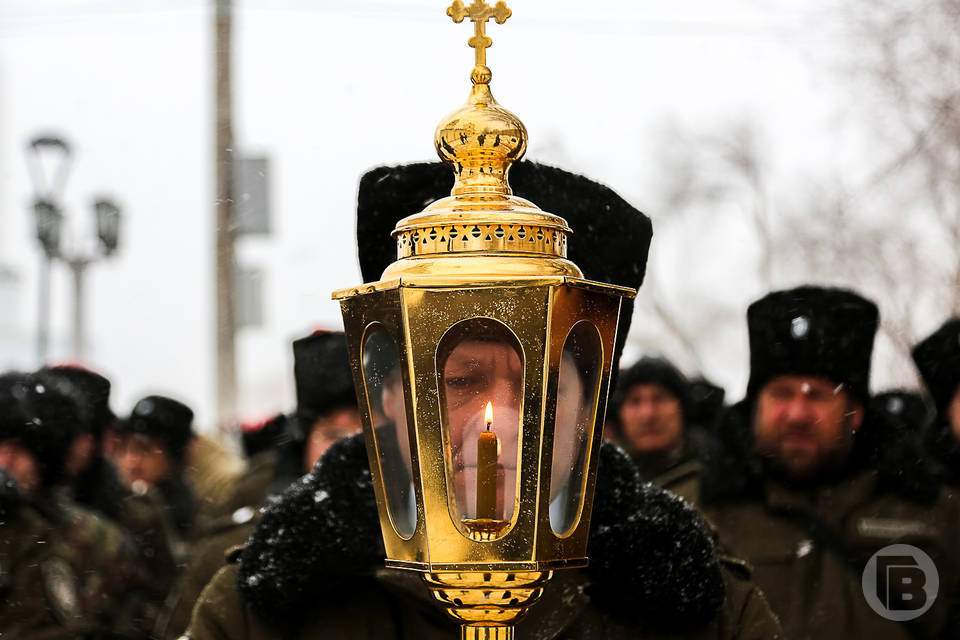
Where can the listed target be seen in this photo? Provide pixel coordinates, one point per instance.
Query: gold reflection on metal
(482, 252)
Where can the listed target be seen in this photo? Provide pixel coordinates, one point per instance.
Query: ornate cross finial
(479, 12)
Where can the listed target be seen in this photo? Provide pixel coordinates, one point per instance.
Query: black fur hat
(938, 359)
(813, 331)
(907, 409)
(164, 419)
(263, 436)
(90, 390)
(610, 238)
(650, 370)
(321, 370)
(39, 418)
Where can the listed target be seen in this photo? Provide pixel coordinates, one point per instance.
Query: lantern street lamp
(482, 361)
(48, 214)
(48, 184)
(107, 219)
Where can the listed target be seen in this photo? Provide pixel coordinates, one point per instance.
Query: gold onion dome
(481, 221)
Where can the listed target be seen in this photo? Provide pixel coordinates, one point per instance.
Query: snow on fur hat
(938, 359)
(321, 370)
(40, 419)
(813, 331)
(164, 419)
(610, 238)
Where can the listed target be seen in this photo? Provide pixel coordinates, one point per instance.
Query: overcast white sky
(329, 90)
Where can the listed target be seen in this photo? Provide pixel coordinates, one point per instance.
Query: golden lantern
(482, 361)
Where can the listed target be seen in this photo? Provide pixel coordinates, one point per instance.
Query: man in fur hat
(92, 481)
(58, 561)
(938, 359)
(326, 412)
(807, 484)
(314, 565)
(653, 405)
(151, 452)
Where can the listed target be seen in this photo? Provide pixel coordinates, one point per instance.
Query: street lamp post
(48, 215)
(107, 217)
(48, 187)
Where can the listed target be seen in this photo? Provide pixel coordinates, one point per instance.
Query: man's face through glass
(805, 424)
(485, 366)
(478, 371)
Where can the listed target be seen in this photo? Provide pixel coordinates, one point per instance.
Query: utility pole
(226, 383)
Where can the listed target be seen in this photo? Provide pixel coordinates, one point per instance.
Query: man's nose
(503, 395)
(646, 410)
(799, 409)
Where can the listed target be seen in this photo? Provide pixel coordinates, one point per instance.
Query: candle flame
(488, 414)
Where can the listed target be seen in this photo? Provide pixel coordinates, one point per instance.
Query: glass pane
(480, 365)
(576, 401)
(381, 372)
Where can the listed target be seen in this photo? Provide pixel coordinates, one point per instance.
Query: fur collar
(733, 471)
(652, 559)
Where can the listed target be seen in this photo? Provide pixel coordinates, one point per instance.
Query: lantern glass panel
(480, 368)
(381, 373)
(578, 381)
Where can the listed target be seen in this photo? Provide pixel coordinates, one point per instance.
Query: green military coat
(397, 604)
(808, 547)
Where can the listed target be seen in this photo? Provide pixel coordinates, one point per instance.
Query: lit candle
(487, 446)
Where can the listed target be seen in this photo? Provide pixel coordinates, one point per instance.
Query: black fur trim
(651, 557)
(314, 539)
(652, 560)
(610, 239)
(733, 471)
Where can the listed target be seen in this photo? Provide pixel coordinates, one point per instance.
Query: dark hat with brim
(938, 359)
(40, 419)
(164, 419)
(812, 331)
(90, 389)
(610, 238)
(321, 370)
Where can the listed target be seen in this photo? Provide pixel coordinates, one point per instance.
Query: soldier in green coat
(807, 484)
(89, 569)
(91, 480)
(314, 565)
(651, 417)
(314, 568)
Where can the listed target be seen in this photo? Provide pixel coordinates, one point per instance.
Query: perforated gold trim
(464, 238)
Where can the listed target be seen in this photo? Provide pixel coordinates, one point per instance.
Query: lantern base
(486, 632)
(487, 605)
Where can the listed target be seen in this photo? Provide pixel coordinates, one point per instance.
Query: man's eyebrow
(465, 361)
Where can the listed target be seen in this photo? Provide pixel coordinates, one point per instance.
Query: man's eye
(459, 381)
